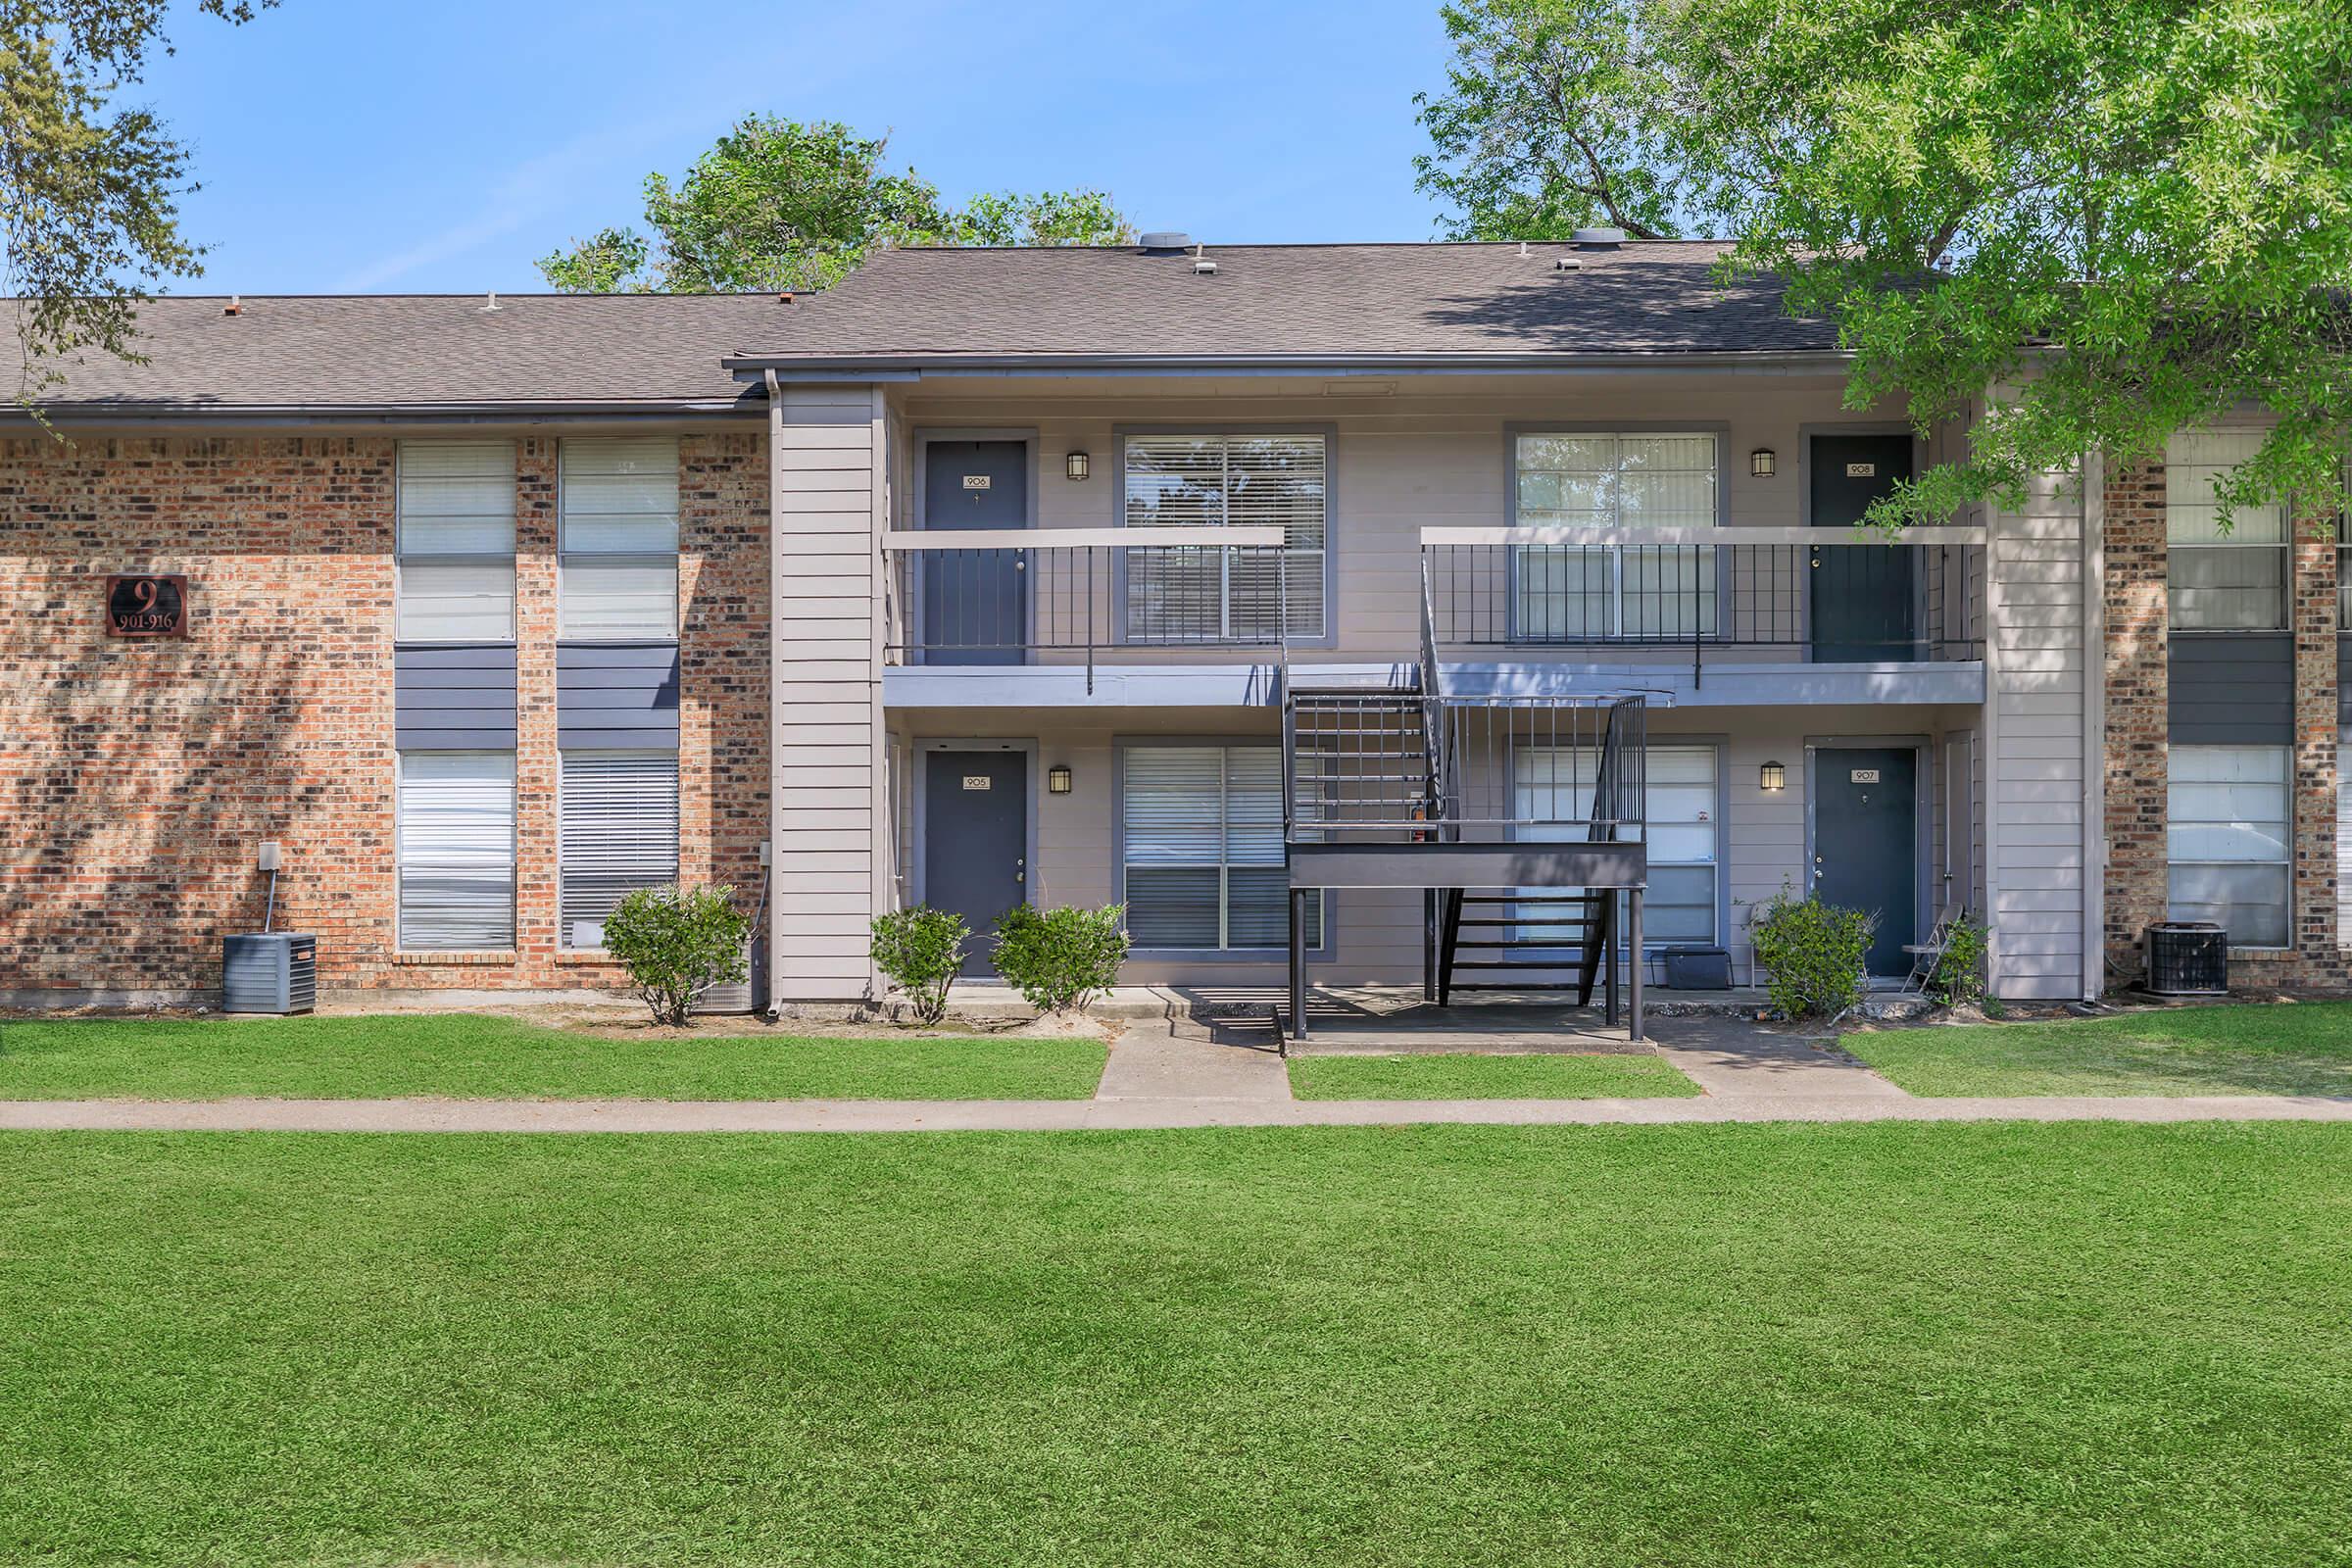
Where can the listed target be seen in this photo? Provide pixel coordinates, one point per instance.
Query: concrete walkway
(1074, 1115)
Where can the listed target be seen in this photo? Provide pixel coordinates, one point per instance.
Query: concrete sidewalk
(1102, 1115)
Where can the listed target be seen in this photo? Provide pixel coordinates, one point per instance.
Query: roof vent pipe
(490, 301)
(1202, 267)
(234, 307)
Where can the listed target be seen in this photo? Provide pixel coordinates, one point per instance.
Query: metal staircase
(1403, 785)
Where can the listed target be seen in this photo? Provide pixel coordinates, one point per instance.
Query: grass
(1470, 1076)
(2298, 1048)
(2081, 1344)
(468, 1056)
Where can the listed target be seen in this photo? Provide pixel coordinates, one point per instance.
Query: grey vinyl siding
(454, 697)
(2233, 689)
(616, 696)
(827, 477)
(2035, 785)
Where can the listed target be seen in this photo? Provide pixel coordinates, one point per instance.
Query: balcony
(1214, 616)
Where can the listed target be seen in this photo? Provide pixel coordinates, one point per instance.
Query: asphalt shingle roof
(385, 351)
(1643, 297)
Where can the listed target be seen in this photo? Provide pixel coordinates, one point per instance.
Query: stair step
(1483, 899)
(1516, 964)
(1537, 985)
(1560, 923)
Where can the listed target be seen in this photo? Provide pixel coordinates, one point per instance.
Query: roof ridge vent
(1166, 240)
(1599, 239)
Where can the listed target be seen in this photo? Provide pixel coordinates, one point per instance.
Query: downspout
(766, 1000)
(2094, 726)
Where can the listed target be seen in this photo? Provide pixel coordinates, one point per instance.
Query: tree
(89, 189)
(777, 205)
(2093, 223)
(1551, 121)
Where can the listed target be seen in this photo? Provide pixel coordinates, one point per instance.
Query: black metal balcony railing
(1823, 595)
(996, 597)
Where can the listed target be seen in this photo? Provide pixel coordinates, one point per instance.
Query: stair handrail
(1436, 758)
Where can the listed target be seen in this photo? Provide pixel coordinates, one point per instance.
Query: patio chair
(1926, 956)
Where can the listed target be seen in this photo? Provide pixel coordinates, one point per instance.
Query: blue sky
(423, 145)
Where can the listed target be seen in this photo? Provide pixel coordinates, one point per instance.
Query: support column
(1632, 942)
(1298, 964)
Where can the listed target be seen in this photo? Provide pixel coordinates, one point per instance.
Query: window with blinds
(2233, 581)
(1573, 592)
(1553, 788)
(2228, 828)
(455, 542)
(619, 539)
(1176, 595)
(618, 831)
(1201, 843)
(457, 851)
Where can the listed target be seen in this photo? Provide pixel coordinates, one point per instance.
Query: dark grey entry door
(1866, 842)
(976, 601)
(1863, 609)
(976, 841)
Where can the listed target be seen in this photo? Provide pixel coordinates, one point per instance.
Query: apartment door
(975, 603)
(976, 841)
(1866, 842)
(1863, 595)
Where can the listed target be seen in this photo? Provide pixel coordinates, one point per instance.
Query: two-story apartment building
(1450, 608)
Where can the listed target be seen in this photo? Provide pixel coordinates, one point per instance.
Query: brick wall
(137, 777)
(2138, 752)
(2138, 692)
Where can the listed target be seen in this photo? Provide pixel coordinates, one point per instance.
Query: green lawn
(1976, 1345)
(1469, 1076)
(2297, 1048)
(469, 1056)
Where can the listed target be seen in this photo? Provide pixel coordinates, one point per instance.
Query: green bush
(919, 952)
(1959, 975)
(677, 943)
(1812, 954)
(1059, 958)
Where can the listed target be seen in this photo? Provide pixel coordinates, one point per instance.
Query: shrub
(1057, 959)
(1812, 954)
(677, 943)
(919, 952)
(1959, 975)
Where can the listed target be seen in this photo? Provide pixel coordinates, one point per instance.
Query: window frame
(1211, 430)
(400, 846)
(566, 555)
(2285, 864)
(1514, 432)
(2282, 549)
(403, 557)
(564, 942)
(1718, 746)
(1319, 947)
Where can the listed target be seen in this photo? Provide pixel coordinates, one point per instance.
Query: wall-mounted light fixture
(1058, 779)
(1772, 777)
(1077, 464)
(1762, 464)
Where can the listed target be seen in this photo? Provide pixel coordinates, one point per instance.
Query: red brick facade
(139, 777)
(2139, 751)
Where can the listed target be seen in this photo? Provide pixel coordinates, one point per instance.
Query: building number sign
(975, 782)
(975, 481)
(1861, 470)
(147, 606)
(1865, 775)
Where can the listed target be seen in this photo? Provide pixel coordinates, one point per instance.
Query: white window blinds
(1202, 846)
(457, 851)
(619, 832)
(455, 541)
(2234, 581)
(2228, 828)
(1554, 787)
(1226, 481)
(619, 539)
(1622, 480)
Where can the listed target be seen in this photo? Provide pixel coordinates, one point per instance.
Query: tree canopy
(780, 205)
(89, 187)
(2093, 223)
